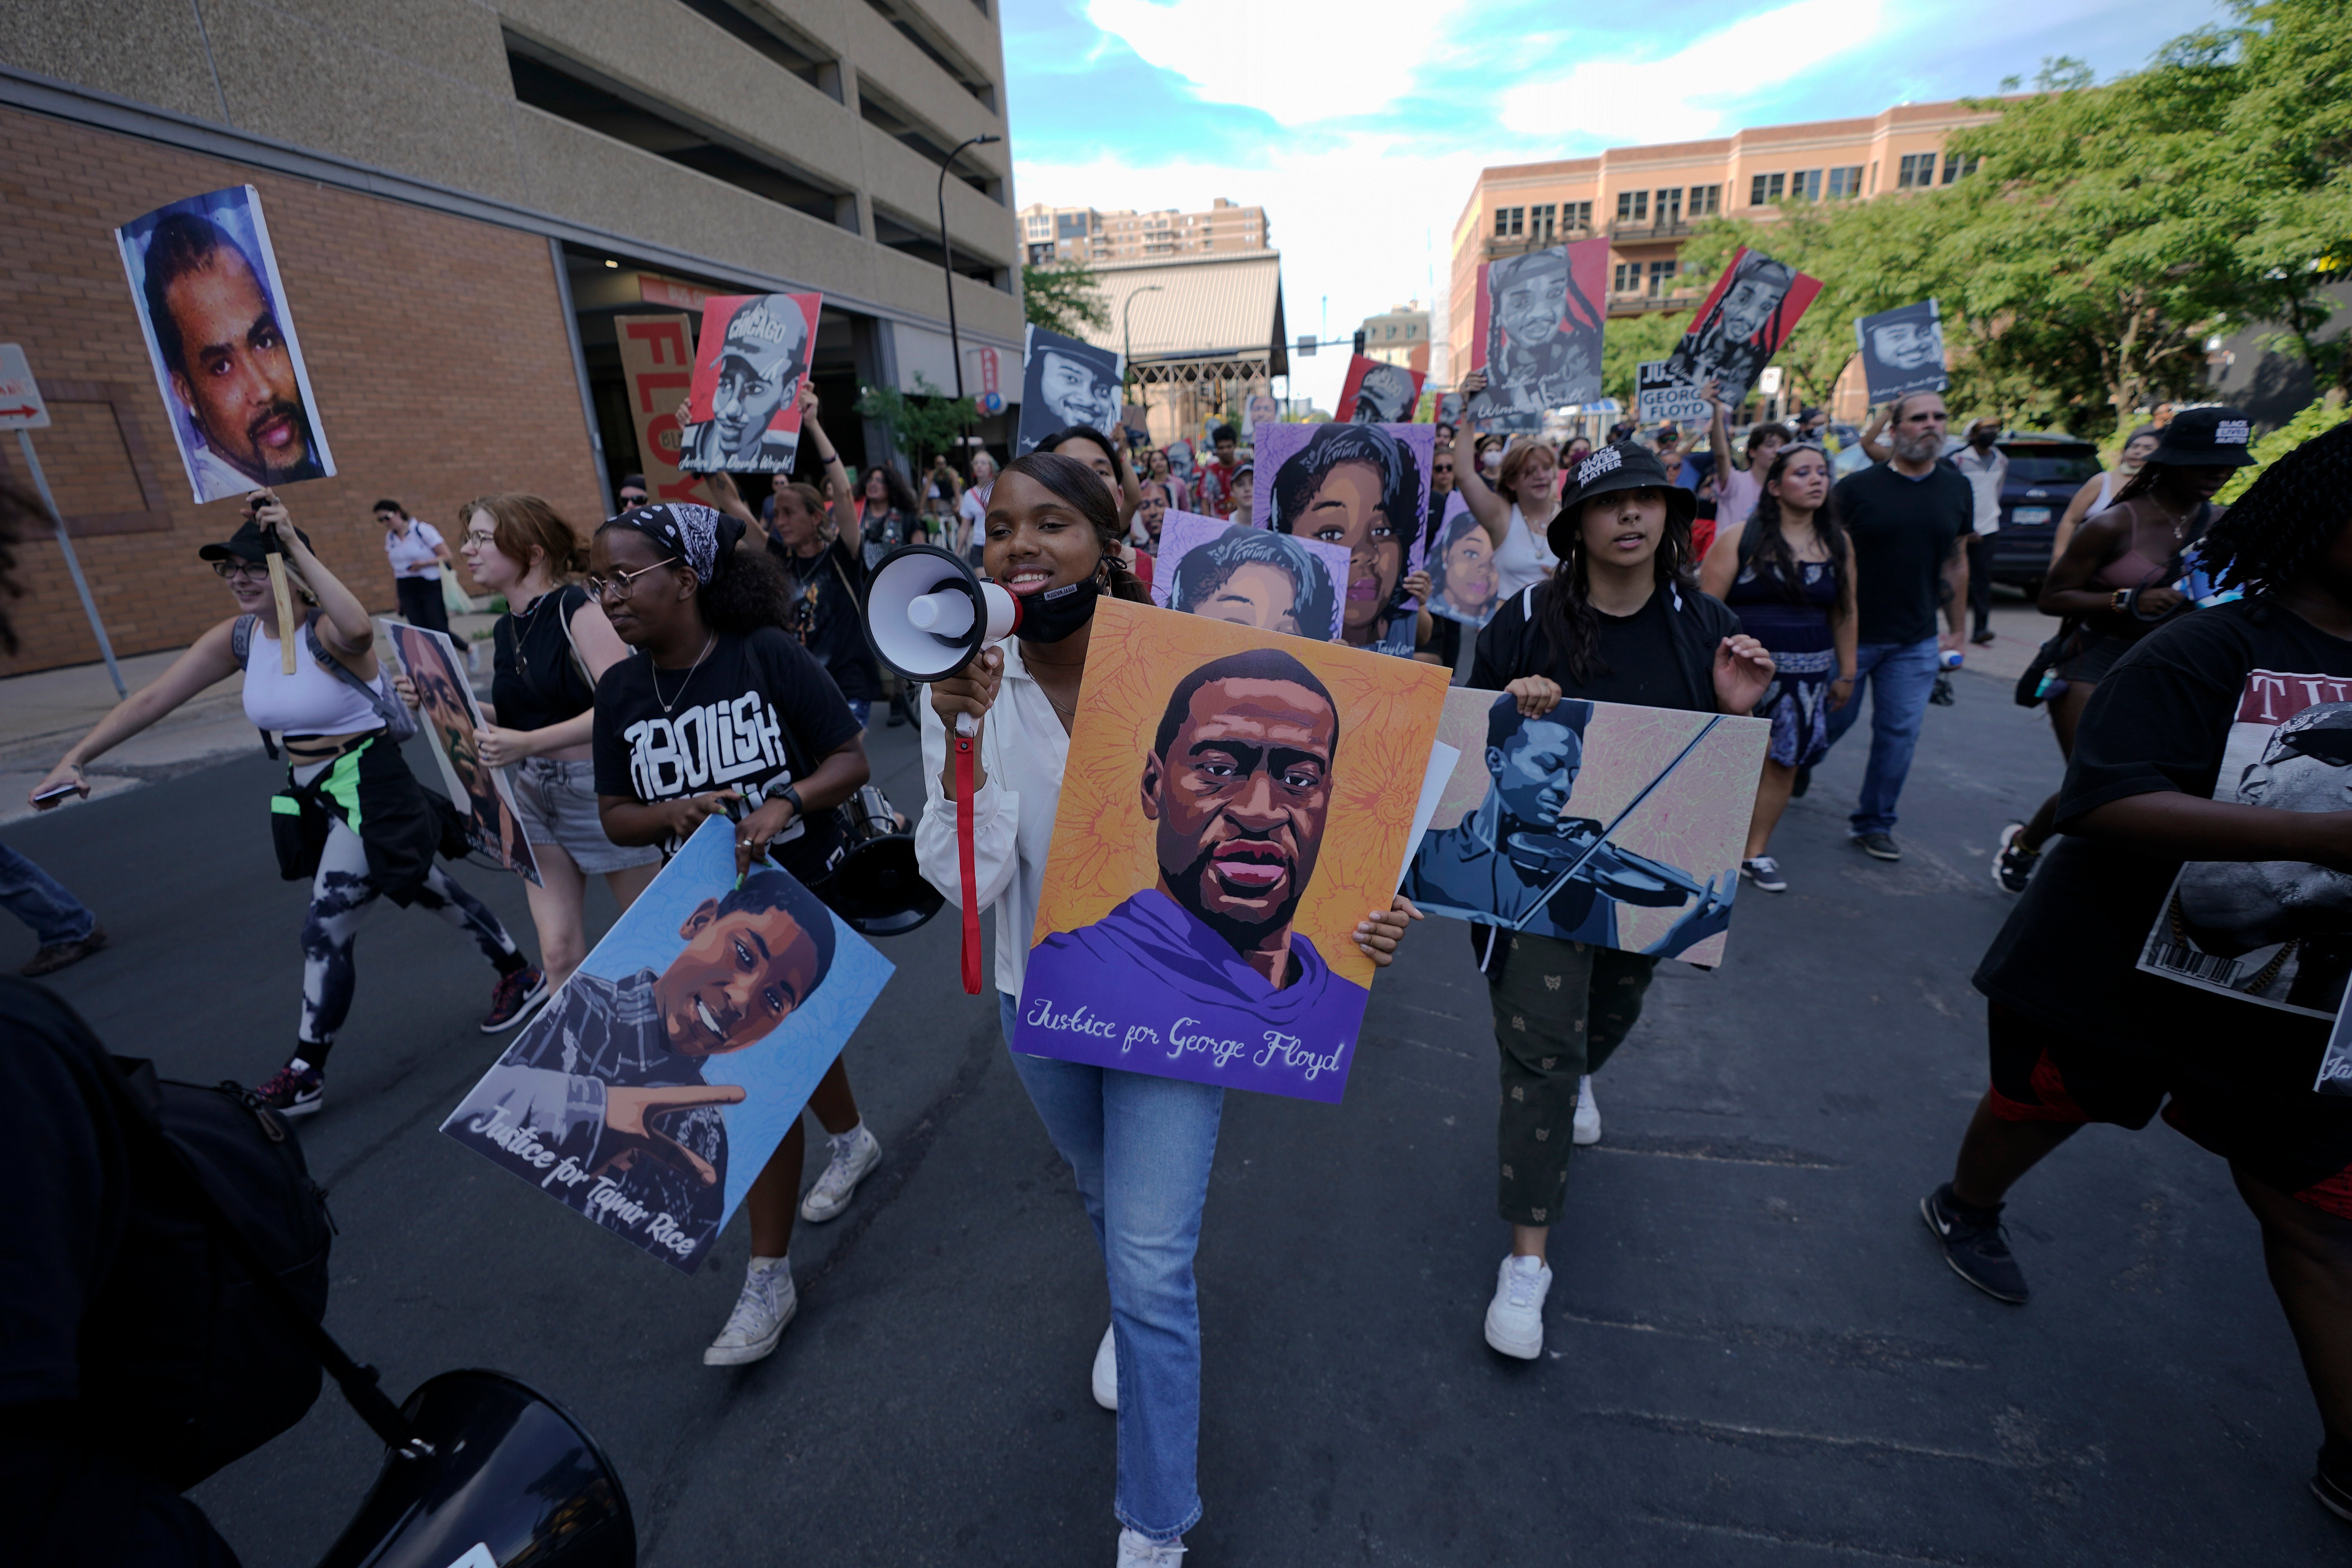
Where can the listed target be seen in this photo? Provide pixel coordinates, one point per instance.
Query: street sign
(21, 407)
(1769, 384)
(990, 402)
(1306, 348)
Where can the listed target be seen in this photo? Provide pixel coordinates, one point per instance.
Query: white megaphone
(927, 615)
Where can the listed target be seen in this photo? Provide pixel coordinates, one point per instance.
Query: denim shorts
(557, 802)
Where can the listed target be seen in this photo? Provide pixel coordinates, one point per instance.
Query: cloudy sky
(1359, 125)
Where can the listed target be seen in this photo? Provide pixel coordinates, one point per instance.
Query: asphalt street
(1756, 1354)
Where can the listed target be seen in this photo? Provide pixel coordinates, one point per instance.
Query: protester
(1108, 461)
(369, 830)
(1441, 488)
(63, 929)
(1986, 468)
(1738, 471)
(2115, 583)
(942, 491)
(678, 590)
(1244, 494)
(1613, 623)
(632, 491)
(1909, 519)
(1215, 479)
(1674, 459)
(2100, 491)
(1517, 510)
(548, 651)
(1788, 572)
(887, 515)
(2078, 1032)
(417, 555)
(1138, 1147)
(1150, 517)
(1579, 449)
(972, 507)
(1158, 469)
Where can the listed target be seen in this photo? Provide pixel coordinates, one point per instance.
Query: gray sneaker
(1975, 1244)
(1879, 845)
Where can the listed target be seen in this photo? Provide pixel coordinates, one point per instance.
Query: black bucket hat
(1623, 467)
(2214, 436)
(246, 544)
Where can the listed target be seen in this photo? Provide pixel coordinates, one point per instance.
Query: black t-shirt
(2067, 956)
(826, 591)
(1903, 531)
(537, 679)
(758, 713)
(1637, 652)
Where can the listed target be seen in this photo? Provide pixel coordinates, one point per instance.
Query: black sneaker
(298, 1089)
(1879, 845)
(1983, 638)
(1764, 872)
(512, 1001)
(1975, 1244)
(2331, 1483)
(2014, 863)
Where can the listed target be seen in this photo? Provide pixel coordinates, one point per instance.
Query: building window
(1845, 182)
(1670, 205)
(1805, 184)
(1955, 167)
(1706, 201)
(1509, 221)
(1917, 172)
(1662, 274)
(1540, 221)
(1576, 214)
(1633, 206)
(1626, 279)
(1763, 189)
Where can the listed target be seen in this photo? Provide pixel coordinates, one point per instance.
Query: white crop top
(1522, 560)
(310, 702)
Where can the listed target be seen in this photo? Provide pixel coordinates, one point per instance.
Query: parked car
(2045, 469)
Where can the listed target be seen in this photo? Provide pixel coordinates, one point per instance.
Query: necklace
(530, 624)
(654, 671)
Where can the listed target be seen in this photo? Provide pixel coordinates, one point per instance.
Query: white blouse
(1522, 560)
(1023, 750)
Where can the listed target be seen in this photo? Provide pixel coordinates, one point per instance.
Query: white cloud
(1687, 93)
(1301, 62)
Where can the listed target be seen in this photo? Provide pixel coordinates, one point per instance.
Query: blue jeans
(860, 709)
(1140, 1149)
(36, 898)
(1899, 676)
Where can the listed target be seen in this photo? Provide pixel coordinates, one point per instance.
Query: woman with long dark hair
(1613, 623)
(888, 514)
(2106, 488)
(715, 665)
(1788, 571)
(2115, 583)
(1139, 1147)
(2210, 766)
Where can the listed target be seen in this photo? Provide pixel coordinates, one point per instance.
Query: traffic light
(1360, 340)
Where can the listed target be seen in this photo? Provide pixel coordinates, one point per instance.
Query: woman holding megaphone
(1139, 1147)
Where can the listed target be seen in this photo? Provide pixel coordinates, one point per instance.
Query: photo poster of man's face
(1364, 487)
(1902, 351)
(1235, 801)
(1598, 822)
(656, 369)
(1742, 323)
(220, 339)
(1536, 330)
(1249, 575)
(452, 720)
(2275, 933)
(1064, 382)
(744, 400)
(651, 1090)
(1377, 393)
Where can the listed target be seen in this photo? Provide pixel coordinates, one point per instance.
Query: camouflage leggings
(1545, 991)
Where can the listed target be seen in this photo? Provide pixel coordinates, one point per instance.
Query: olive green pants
(1562, 1009)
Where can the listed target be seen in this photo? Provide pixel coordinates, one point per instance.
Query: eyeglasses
(479, 541)
(598, 584)
(633, 498)
(240, 571)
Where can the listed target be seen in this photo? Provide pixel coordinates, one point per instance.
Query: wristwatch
(792, 793)
(2121, 601)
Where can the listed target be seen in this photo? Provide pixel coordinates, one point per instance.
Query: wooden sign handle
(286, 627)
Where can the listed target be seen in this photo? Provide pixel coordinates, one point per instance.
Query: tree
(930, 421)
(1063, 297)
(1629, 341)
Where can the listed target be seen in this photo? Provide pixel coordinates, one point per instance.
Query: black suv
(2045, 472)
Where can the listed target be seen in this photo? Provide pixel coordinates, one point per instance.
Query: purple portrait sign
(1364, 487)
(1233, 572)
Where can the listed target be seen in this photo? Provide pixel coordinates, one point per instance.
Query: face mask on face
(1055, 614)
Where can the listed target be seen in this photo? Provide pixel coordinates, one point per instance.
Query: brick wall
(435, 346)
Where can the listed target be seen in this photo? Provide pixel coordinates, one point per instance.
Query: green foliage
(1063, 297)
(1630, 341)
(2323, 416)
(929, 422)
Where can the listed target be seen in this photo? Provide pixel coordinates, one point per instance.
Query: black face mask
(1055, 614)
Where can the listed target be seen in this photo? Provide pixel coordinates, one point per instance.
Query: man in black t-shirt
(1909, 519)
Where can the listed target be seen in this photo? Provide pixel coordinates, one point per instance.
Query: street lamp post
(947, 261)
(1126, 337)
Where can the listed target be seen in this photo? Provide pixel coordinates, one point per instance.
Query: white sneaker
(1142, 1552)
(854, 1152)
(1106, 1373)
(1514, 1317)
(766, 1305)
(1585, 1130)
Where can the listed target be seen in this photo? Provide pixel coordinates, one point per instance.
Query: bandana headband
(701, 536)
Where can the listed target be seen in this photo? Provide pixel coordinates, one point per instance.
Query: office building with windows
(1647, 200)
(469, 200)
(1399, 335)
(1084, 234)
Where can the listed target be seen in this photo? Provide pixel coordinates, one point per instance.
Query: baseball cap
(2214, 436)
(247, 543)
(2322, 732)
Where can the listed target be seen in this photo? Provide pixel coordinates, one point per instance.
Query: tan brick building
(1083, 234)
(464, 199)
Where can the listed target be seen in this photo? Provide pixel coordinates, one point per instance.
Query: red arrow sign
(25, 413)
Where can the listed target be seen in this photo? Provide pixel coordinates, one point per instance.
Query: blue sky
(1361, 124)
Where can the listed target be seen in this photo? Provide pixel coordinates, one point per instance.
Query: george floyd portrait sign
(1249, 576)
(212, 307)
(1234, 803)
(1902, 351)
(1377, 393)
(452, 720)
(650, 1091)
(1742, 323)
(1600, 823)
(1536, 333)
(657, 368)
(1064, 382)
(744, 399)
